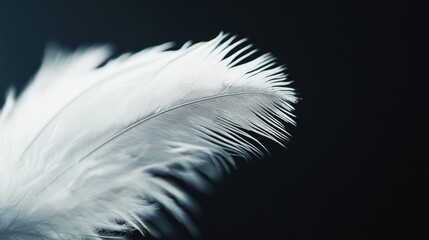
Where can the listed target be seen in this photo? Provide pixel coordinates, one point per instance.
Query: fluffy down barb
(89, 149)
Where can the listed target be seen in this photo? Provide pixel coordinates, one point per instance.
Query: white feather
(83, 149)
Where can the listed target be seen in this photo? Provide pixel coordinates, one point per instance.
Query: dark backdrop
(354, 168)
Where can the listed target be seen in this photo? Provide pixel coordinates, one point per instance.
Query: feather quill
(82, 148)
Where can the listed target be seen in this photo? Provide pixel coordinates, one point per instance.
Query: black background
(356, 164)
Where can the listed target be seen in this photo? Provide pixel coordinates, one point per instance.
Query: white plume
(85, 149)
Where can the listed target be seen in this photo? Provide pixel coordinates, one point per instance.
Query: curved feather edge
(100, 160)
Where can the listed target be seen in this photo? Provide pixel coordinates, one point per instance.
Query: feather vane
(82, 148)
